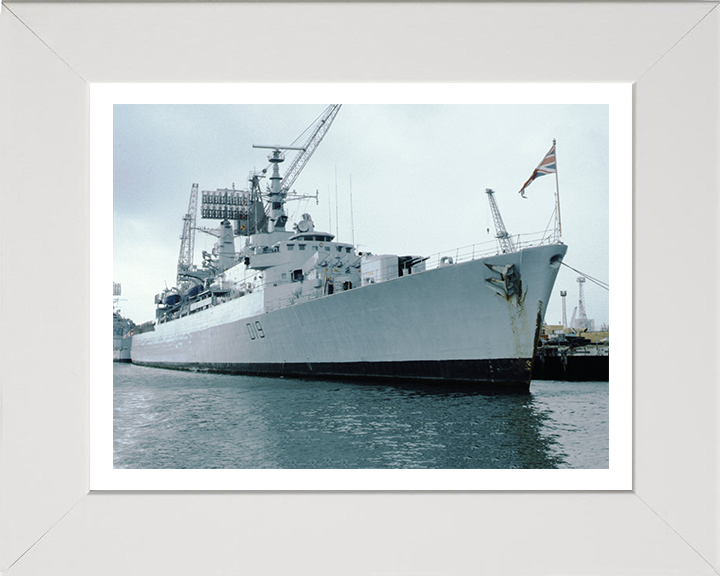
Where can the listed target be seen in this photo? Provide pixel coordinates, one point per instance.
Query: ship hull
(121, 341)
(121, 355)
(510, 373)
(448, 324)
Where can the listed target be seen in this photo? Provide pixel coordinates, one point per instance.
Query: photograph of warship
(291, 300)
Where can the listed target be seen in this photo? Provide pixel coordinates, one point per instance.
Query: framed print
(51, 56)
(391, 126)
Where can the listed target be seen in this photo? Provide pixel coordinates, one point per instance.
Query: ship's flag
(547, 166)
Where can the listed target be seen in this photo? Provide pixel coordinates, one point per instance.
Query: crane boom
(210, 231)
(187, 244)
(318, 133)
(506, 243)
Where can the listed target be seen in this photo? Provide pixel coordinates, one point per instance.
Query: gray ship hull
(455, 323)
(121, 355)
(122, 340)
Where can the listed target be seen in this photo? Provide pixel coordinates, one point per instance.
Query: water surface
(172, 419)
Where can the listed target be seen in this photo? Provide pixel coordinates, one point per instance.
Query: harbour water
(171, 419)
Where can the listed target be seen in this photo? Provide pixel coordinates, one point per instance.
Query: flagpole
(557, 195)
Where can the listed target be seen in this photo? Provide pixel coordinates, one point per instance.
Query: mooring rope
(595, 280)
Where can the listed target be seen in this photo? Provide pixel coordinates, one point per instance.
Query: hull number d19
(255, 330)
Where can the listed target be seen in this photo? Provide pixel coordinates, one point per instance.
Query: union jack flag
(547, 166)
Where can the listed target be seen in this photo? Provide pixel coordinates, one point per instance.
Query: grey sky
(418, 172)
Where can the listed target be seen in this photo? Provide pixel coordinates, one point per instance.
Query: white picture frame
(666, 525)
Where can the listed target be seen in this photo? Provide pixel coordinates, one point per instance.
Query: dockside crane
(317, 133)
(501, 233)
(187, 240)
(209, 231)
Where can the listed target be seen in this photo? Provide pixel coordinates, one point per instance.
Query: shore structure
(571, 355)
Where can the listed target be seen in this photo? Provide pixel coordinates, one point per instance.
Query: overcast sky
(418, 175)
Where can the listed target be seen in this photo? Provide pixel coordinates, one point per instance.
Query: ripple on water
(169, 419)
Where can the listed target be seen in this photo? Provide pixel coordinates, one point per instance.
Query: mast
(548, 165)
(277, 193)
(279, 187)
(557, 196)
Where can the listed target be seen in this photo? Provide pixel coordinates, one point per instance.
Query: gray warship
(293, 301)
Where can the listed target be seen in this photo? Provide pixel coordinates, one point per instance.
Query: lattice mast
(563, 293)
(187, 240)
(501, 233)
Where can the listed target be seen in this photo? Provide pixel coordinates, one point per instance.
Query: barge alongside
(573, 358)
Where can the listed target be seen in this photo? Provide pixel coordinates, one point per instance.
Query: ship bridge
(316, 237)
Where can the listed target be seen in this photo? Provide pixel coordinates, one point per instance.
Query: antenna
(329, 211)
(352, 218)
(337, 233)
